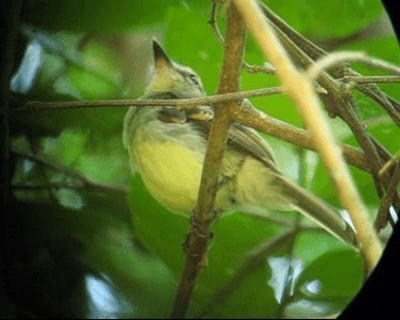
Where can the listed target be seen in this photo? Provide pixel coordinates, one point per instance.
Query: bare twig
(250, 117)
(300, 89)
(383, 215)
(390, 163)
(85, 181)
(330, 60)
(58, 186)
(338, 101)
(196, 245)
(254, 69)
(334, 59)
(305, 51)
(225, 97)
(214, 24)
(255, 258)
(371, 79)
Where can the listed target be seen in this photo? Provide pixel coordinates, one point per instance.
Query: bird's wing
(239, 137)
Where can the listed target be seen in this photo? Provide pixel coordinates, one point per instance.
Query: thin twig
(253, 261)
(305, 52)
(286, 294)
(339, 102)
(196, 243)
(226, 97)
(86, 182)
(390, 163)
(371, 79)
(383, 215)
(254, 69)
(214, 24)
(255, 119)
(334, 59)
(299, 88)
(59, 186)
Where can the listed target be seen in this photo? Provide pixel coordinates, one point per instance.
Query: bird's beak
(161, 59)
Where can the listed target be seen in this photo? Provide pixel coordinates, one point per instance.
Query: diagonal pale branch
(196, 244)
(339, 101)
(299, 88)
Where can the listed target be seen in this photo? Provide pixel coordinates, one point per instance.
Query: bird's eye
(194, 79)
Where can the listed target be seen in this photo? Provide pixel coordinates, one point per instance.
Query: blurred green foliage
(116, 254)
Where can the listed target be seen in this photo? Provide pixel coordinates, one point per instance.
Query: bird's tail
(319, 211)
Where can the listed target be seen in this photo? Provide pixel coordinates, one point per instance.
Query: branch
(383, 215)
(255, 258)
(256, 119)
(213, 22)
(58, 186)
(337, 58)
(338, 101)
(299, 88)
(371, 79)
(196, 244)
(304, 52)
(390, 163)
(226, 97)
(249, 117)
(86, 182)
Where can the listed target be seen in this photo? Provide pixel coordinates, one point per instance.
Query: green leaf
(327, 285)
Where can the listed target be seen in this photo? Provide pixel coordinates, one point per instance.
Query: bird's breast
(170, 171)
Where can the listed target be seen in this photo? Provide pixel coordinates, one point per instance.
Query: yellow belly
(170, 172)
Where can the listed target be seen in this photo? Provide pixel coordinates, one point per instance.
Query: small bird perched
(167, 146)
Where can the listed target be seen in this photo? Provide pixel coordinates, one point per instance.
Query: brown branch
(55, 185)
(299, 47)
(225, 97)
(383, 215)
(254, 118)
(254, 69)
(338, 101)
(254, 260)
(196, 245)
(390, 163)
(299, 88)
(86, 182)
(371, 79)
(214, 24)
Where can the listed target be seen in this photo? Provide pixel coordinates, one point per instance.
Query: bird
(167, 146)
